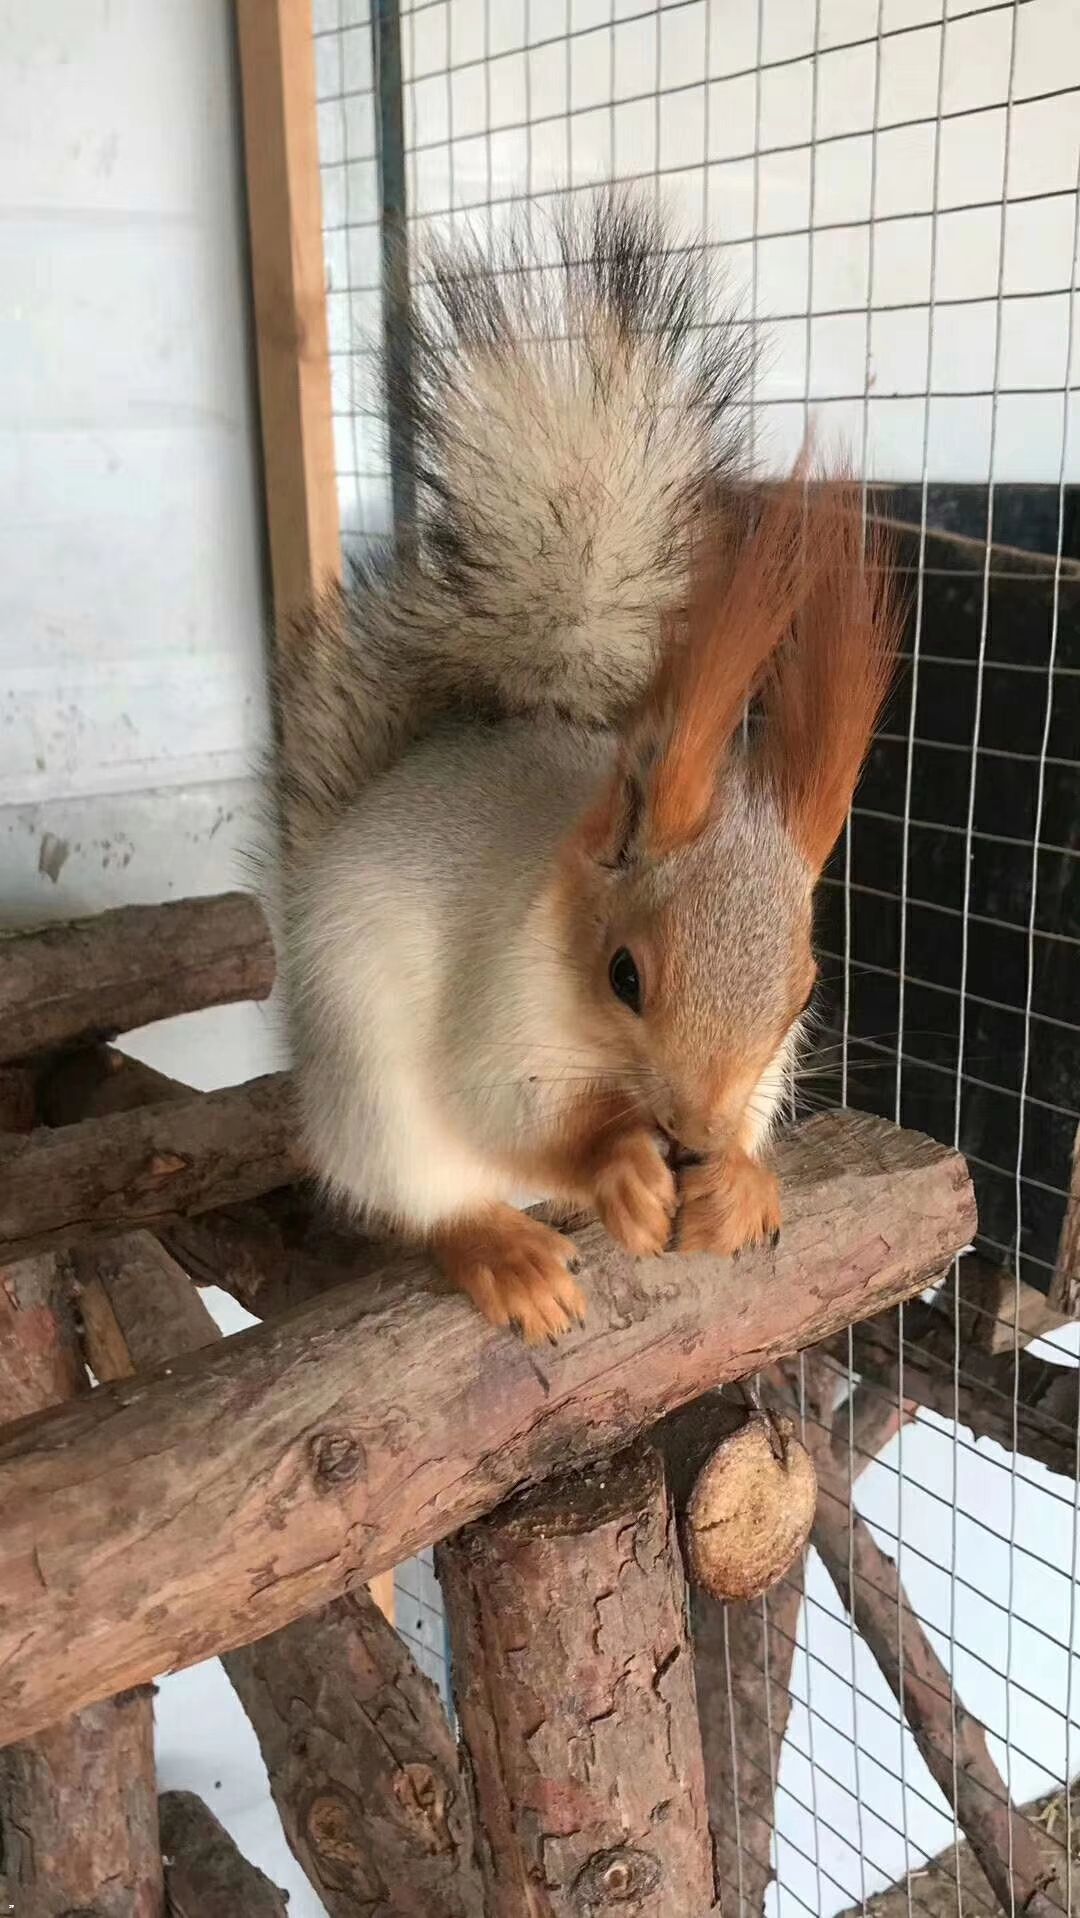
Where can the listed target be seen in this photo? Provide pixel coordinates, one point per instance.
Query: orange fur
(744, 601)
(826, 685)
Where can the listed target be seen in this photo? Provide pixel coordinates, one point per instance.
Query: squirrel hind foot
(516, 1270)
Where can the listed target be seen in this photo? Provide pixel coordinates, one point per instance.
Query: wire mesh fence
(891, 189)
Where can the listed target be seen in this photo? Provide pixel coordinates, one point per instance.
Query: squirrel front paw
(516, 1270)
(634, 1194)
(728, 1204)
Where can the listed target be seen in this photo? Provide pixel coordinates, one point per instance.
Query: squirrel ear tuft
(827, 683)
(747, 585)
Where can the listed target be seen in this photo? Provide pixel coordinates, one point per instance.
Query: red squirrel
(544, 895)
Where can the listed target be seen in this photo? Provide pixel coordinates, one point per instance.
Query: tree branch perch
(168, 1518)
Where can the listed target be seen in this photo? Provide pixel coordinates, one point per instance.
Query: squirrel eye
(625, 979)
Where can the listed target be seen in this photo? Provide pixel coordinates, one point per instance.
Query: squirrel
(545, 893)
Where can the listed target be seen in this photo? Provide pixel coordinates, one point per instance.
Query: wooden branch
(60, 1186)
(1064, 1295)
(271, 1253)
(743, 1656)
(78, 1814)
(90, 978)
(952, 1742)
(284, 199)
(1047, 1396)
(205, 1874)
(574, 1685)
(934, 1885)
(362, 1762)
(170, 1518)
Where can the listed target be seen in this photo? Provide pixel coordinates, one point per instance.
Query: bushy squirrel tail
(576, 402)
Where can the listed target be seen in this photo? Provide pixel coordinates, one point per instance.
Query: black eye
(625, 979)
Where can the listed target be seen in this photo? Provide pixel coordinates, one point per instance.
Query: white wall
(132, 602)
(131, 570)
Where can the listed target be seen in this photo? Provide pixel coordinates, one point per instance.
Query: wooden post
(205, 1875)
(78, 1810)
(277, 67)
(187, 1512)
(574, 1683)
(361, 1758)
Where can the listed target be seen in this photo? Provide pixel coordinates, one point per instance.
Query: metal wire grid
(892, 188)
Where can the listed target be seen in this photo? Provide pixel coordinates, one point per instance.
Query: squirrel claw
(729, 1205)
(517, 1272)
(635, 1194)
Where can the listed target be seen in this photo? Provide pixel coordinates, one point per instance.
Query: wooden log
(743, 1656)
(954, 1883)
(270, 1253)
(952, 1742)
(140, 1168)
(90, 978)
(362, 1762)
(1064, 1294)
(205, 1875)
(170, 1518)
(78, 1816)
(981, 1396)
(574, 1684)
(78, 1813)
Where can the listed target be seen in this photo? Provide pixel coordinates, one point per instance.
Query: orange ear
(746, 594)
(826, 686)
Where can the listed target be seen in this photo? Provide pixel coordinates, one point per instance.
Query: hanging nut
(751, 1509)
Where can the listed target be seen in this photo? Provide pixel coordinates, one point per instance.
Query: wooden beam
(952, 1742)
(169, 1518)
(979, 1392)
(78, 1804)
(271, 1253)
(574, 1684)
(284, 197)
(91, 978)
(334, 1697)
(1064, 1294)
(144, 1167)
(205, 1875)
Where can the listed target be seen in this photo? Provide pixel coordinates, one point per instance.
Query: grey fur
(569, 421)
(445, 723)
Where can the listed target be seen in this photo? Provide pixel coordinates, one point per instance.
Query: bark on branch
(981, 1395)
(362, 1762)
(952, 1743)
(205, 1875)
(169, 1518)
(575, 1690)
(144, 1167)
(90, 978)
(271, 1252)
(954, 1882)
(78, 1813)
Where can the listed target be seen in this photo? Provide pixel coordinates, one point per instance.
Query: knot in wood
(335, 1459)
(331, 1829)
(611, 1878)
(422, 1797)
